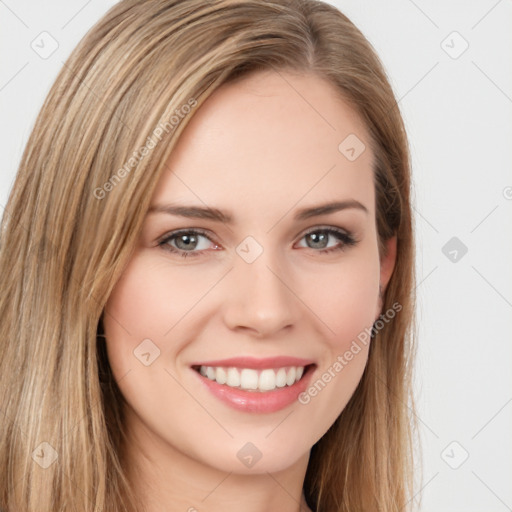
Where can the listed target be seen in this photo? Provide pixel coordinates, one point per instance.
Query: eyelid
(208, 234)
(346, 239)
(177, 232)
(164, 242)
(321, 227)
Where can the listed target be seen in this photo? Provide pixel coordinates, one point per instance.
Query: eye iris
(316, 238)
(188, 240)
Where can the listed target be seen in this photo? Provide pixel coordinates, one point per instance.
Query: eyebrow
(200, 212)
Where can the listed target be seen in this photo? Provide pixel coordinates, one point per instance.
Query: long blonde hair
(75, 211)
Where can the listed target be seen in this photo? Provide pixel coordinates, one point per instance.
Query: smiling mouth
(250, 379)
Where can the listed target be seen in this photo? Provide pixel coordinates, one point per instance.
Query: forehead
(267, 142)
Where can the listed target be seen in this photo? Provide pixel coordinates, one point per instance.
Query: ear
(387, 264)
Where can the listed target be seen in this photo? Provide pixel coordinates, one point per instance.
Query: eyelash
(346, 238)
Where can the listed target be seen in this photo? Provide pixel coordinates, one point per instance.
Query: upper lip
(257, 363)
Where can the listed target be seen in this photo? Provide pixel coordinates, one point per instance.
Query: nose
(261, 298)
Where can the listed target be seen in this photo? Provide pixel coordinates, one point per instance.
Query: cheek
(345, 301)
(142, 321)
(155, 301)
(148, 301)
(135, 312)
(345, 297)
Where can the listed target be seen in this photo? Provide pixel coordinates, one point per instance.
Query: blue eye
(187, 242)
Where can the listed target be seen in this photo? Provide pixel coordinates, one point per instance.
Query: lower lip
(258, 401)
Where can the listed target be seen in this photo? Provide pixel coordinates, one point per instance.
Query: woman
(208, 270)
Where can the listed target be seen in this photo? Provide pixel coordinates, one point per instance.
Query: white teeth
(290, 378)
(281, 378)
(267, 380)
(233, 377)
(250, 379)
(222, 376)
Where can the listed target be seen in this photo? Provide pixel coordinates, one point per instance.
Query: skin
(260, 148)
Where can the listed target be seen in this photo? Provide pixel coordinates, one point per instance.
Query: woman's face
(277, 291)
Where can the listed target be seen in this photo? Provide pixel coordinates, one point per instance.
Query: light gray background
(457, 110)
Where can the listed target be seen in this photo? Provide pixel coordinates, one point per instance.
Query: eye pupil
(318, 238)
(188, 241)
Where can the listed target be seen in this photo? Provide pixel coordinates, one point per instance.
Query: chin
(250, 458)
